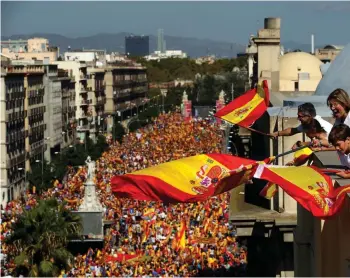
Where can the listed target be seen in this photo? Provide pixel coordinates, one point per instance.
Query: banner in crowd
(191, 179)
(246, 109)
(308, 186)
(188, 110)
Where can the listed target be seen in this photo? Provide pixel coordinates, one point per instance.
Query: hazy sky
(227, 21)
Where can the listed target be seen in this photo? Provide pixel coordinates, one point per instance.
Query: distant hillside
(115, 42)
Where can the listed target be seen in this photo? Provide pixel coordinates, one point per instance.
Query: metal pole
(232, 91)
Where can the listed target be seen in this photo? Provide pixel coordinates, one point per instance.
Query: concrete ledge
(262, 222)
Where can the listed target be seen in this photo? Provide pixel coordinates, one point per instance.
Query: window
(296, 86)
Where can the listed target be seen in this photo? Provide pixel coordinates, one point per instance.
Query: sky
(221, 21)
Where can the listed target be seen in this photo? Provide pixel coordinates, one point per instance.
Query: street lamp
(25, 174)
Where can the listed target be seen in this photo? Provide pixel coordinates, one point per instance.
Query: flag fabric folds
(246, 109)
(269, 190)
(190, 179)
(308, 186)
(301, 156)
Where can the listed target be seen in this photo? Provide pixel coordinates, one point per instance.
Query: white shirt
(324, 124)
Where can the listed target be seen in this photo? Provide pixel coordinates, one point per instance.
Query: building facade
(69, 122)
(32, 49)
(126, 89)
(78, 71)
(96, 88)
(53, 113)
(22, 125)
(137, 45)
(328, 52)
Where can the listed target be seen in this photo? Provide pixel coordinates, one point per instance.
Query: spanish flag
(269, 190)
(308, 186)
(301, 156)
(246, 109)
(180, 238)
(191, 179)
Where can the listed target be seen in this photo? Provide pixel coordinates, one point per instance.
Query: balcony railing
(83, 90)
(83, 128)
(85, 101)
(37, 147)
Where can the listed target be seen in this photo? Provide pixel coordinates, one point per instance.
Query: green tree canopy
(40, 238)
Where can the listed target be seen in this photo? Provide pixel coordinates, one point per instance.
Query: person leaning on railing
(340, 138)
(316, 128)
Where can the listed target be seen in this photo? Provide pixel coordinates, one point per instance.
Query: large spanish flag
(191, 179)
(308, 186)
(246, 109)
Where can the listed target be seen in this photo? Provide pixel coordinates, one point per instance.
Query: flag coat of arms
(191, 179)
(246, 109)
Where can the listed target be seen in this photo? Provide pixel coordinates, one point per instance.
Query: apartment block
(22, 125)
(53, 114)
(96, 90)
(83, 102)
(126, 90)
(31, 49)
(68, 108)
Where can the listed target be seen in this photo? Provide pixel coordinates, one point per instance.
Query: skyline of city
(220, 21)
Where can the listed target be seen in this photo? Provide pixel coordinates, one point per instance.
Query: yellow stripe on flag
(304, 177)
(242, 112)
(185, 167)
(269, 191)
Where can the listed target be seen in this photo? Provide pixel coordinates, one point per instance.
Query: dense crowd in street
(143, 231)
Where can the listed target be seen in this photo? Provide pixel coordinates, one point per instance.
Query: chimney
(312, 44)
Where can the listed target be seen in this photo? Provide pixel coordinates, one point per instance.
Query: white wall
(80, 56)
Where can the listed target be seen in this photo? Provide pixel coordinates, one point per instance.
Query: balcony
(35, 69)
(16, 135)
(83, 77)
(16, 70)
(17, 159)
(83, 90)
(83, 115)
(84, 102)
(37, 147)
(100, 101)
(83, 128)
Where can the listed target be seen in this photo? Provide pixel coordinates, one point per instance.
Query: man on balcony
(316, 128)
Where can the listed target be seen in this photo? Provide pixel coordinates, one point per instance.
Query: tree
(40, 176)
(118, 132)
(40, 237)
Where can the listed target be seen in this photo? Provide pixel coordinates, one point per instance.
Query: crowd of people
(142, 239)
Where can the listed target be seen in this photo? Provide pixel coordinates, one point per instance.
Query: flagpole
(291, 151)
(249, 128)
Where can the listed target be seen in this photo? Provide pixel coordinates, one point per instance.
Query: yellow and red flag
(246, 109)
(269, 190)
(301, 156)
(180, 238)
(308, 186)
(191, 179)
